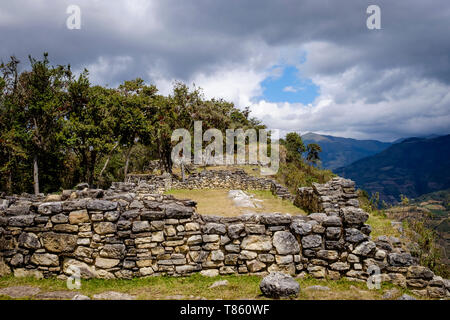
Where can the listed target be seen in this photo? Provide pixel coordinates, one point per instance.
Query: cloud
(385, 119)
(383, 84)
(293, 89)
(290, 89)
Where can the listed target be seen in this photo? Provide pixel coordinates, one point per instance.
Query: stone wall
(329, 197)
(124, 234)
(208, 179)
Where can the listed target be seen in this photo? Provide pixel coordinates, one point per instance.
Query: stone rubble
(244, 200)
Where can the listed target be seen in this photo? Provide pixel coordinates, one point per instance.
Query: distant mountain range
(412, 167)
(431, 136)
(338, 152)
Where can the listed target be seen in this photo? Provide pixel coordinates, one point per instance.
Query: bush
(429, 253)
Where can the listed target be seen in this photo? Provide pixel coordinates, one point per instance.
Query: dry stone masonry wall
(208, 179)
(330, 197)
(122, 233)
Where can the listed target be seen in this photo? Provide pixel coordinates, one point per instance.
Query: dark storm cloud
(170, 39)
(194, 34)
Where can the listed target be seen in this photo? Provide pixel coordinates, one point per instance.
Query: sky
(298, 65)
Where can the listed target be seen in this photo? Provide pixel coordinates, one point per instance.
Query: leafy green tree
(170, 113)
(57, 130)
(294, 147)
(89, 127)
(12, 130)
(42, 103)
(134, 114)
(313, 151)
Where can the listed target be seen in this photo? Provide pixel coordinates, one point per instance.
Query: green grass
(196, 287)
(216, 202)
(381, 225)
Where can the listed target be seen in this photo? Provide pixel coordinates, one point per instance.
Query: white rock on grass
(219, 284)
(113, 295)
(81, 297)
(406, 297)
(243, 200)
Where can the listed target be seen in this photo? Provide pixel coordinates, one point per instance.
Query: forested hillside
(338, 152)
(413, 167)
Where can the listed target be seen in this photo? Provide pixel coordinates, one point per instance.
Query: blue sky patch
(289, 86)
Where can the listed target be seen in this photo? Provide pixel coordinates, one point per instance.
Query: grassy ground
(381, 225)
(197, 287)
(216, 202)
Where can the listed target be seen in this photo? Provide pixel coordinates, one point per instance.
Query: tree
(294, 147)
(404, 200)
(313, 151)
(178, 110)
(42, 102)
(11, 128)
(134, 113)
(89, 126)
(57, 130)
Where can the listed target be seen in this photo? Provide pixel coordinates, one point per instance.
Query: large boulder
(115, 251)
(400, 259)
(45, 259)
(101, 205)
(21, 221)
(301, 228)
(275, 218)
(104, 227)
(354, 216)
(105, 263)
(354, 235)
(365, 248)
(48, 208)
(17, 210)
(29, 241)
(59, 242)
(285, 243)
(177, 211)
(235, 230)
(332, 221)
(214, 228)
(312, 241)
(257, 243)
(420, 272)
(72, 266)
(79, 216)
(140, 226)
(278, 284)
